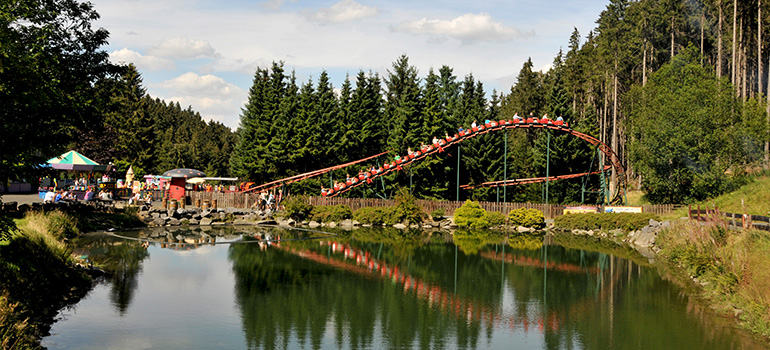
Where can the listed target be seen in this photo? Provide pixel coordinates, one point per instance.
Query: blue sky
(204, 53)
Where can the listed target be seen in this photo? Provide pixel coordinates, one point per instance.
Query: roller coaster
(441, 145)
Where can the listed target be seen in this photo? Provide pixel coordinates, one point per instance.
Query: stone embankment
(642, 240)
(154, 217)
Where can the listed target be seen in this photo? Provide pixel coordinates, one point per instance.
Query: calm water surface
(380, 289)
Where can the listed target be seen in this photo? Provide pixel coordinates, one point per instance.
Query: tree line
(676, 88)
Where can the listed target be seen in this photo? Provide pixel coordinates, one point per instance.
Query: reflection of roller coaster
(362, 263)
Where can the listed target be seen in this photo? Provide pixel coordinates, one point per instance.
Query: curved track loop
(394, 166)
(285, 181)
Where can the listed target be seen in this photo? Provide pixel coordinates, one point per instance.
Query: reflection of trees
(122, 259)
(283, 295)
(364, 294)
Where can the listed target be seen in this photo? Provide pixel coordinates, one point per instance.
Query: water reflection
(377, 288)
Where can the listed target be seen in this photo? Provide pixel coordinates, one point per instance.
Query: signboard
(580, 209)
(611, 209)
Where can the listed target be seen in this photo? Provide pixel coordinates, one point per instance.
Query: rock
(217, 223)
(174, 222)
(205, 213)
(314, 224)
(10, 206)
(158, 221)
(205, 221)
(291, 222)
(356, 223)
(180, 212)
(346, 223)
(523, 229)
(399, 226)
(192, 222)
(332, 224)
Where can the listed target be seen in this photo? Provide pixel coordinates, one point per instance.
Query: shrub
(372, 216)
(7, 228)
(604, 221)
(56, 224)
(406, 209)
(472, 215)
(16, 332)
(527, 217)
(495, 218)
(438, 214)
(297, 208)
(331, 213)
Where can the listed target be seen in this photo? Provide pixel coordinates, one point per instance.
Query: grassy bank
(38, 275)
(731, 267)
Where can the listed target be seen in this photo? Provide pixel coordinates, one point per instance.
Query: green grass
(753, 198)
(733, 267)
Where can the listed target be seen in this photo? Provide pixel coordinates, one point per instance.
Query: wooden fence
(550, 211)
(745, 221)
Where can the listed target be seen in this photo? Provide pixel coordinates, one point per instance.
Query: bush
(16, 332)
(438, 214)
(495, 218)
(472, 215)
(297, 208)
(56, 224)
(372, 216)
(331, 213)
(604, 221)
(406, 209)
(527, 217)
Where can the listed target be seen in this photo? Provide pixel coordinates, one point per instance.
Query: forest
(677, 88)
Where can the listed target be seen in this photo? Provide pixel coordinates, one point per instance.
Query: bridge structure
(617, 186)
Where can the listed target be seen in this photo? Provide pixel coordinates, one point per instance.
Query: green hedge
(604, 221)
(495, 218)
(331, 213)
(297, 208)
(373, 216)
(472, 215)
(527, 217)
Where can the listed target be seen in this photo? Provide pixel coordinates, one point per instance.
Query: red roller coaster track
(495, 126)
(285, 181)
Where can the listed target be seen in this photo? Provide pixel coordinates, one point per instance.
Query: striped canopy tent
(73, 160)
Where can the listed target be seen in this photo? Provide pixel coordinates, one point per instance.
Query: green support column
(505, 163)
(458, 173)
(547, 163)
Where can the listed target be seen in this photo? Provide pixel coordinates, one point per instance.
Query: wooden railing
(745, 221)
(550, 211)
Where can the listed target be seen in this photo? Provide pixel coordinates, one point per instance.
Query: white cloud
(211, 96)
(193, 84)
(343, 11)
(468, 27)
(144, 63)
(183, 48)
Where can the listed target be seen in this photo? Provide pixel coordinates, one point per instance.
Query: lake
(380, 288)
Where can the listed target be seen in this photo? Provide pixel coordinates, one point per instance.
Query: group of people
(55, 196)
(437, 144)
(266, 200)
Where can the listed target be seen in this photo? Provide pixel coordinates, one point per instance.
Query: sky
(204, 53)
